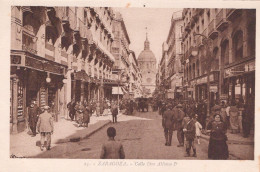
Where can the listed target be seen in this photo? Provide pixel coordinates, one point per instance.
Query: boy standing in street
(112, 149)
(190, 133)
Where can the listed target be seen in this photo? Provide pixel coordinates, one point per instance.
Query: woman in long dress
(218, 148)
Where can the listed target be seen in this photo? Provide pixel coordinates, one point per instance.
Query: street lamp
(206, 42)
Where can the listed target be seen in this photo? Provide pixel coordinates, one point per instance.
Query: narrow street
(142, 137)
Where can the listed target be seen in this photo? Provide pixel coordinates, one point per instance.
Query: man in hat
(33, 113)
(179, 115)
(167, 123)
(45, 127)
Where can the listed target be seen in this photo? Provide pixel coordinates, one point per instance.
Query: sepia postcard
(122, 86)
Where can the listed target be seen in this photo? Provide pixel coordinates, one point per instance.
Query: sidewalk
(235, 138)
(23, 145)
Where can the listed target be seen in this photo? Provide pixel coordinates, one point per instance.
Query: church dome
(147, 55)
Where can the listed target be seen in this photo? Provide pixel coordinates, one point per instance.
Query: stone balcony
(221, 20)
(213, 33)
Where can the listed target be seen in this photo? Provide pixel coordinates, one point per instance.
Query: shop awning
(117, 90)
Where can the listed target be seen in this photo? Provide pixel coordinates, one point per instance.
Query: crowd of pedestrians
(190, 118)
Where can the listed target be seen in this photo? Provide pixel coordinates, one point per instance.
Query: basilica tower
(147, 65)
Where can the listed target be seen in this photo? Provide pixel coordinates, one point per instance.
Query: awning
(117, 90)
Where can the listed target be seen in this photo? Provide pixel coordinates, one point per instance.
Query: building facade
(227, 57)
(58, 54)
(121, 52)
(147, 64)
(174, 66)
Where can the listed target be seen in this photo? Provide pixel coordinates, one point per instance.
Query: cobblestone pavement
(142, 137)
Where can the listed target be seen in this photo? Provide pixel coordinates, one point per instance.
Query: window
(238, 46)
(251, 39)
(198, 68)
(215, 63)
(225, 52)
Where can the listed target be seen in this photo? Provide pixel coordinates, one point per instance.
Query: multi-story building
(120, 50)
(58, 54)
(135, 80)
(173, 64)
(227, 57)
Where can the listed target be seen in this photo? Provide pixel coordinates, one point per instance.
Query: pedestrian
(112, 149)
(114, 113)
(218, 148)
(33, 113)
(79, 113)
(86, 115)
(45, 127)
(233, 112)
(131, 107)
(168, 123)
(241, 108)
(105, 112)
(179, 115)
(71, 108)
(198, 128)
(228, 115)
(190, 134)
(223, 112)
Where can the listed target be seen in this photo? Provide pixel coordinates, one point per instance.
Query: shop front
(239, 82)
(201, 88)
(80, 84)
(33, 78)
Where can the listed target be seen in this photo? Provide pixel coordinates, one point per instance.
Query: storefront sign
(202, 80)
(190, 89)
(239, 69)
(81, 76)
(223, 97)
(179, 90)
(44, 65)
(213, 88)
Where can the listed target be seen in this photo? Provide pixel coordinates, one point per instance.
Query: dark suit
(179, 117)
(33, 113)
(114, 113)
(168, 123)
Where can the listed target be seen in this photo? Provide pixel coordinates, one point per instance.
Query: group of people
(82, 111)
(42, 121)
(189, 128)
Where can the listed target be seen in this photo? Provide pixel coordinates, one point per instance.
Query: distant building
(147, 65)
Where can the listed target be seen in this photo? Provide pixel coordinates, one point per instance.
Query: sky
(157, 21)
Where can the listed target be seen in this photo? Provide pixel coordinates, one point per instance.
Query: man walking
(179, 117)
(71, 107)
(167, 123)
(45, 127)
(33, 112)
(114, 113)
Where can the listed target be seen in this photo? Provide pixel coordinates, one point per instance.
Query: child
(112, 149)
(198, 128)
(190, 133)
